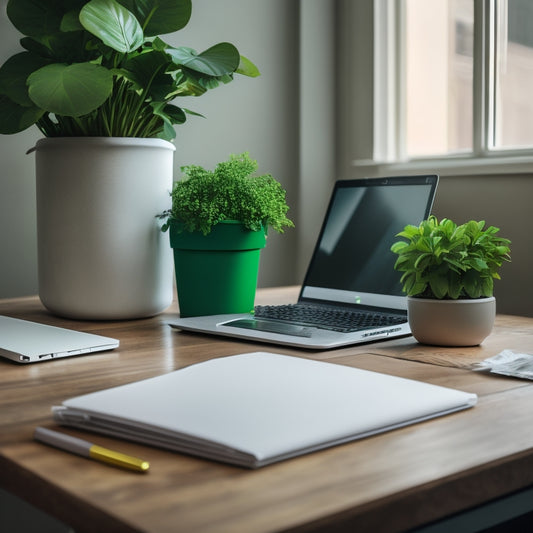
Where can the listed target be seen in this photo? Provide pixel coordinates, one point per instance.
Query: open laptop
(351, 274)
(23, 341)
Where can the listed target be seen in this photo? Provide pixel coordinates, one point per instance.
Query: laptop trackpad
(269, 326)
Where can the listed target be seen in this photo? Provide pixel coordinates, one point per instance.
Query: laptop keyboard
(328, 317)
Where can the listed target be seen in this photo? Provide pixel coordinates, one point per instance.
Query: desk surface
(389, 482)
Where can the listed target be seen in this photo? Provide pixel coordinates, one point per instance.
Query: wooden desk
(389, 482)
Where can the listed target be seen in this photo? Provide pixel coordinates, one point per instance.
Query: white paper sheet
(258, 408)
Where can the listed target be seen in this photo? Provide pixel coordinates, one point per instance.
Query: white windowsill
(450, 166)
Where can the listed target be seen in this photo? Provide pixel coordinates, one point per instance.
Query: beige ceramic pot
(451, 322)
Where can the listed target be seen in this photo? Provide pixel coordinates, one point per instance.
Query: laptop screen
(352, 261)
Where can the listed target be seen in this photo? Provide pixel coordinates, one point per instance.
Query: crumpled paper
(508, 363)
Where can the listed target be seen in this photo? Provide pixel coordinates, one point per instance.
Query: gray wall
(18, 248)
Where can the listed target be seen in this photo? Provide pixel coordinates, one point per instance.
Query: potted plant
(448, 276)
(218, 224)
(100, 84)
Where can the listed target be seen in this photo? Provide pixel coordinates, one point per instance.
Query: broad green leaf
(455, 286)
(189, 86)
(487, 287)
(472, 284)
(70, 47)
(223, 58)
(247, 68)
(412, 286)
(14, 73)
(32, 45)
(220, 59)
(113, 24)
(402, 263)
(399, 246)
(193, 113)
(422, 261)
(168, 133)
(456, 244)
(70, 90)
(209, 82)
(473, 291)
(147, 71)
(35, 18)
(159, 45)
(158, 17)
(458, 233)
(424, 245)
(408, 232)
(502, 250)
(448, 226)
(479, 264)
(175, 114)
(418, 288)
(16, 118)
(170, 115)
(439, 286)
(71, 21)
(455, 266)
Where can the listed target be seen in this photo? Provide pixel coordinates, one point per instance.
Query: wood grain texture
(388, 482)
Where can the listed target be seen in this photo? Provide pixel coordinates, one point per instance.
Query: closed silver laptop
(23, 341)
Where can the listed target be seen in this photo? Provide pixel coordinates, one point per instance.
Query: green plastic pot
(216, 273)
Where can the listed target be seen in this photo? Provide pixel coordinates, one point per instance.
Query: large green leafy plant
(229, 192)
(98, 68)
(446, 260)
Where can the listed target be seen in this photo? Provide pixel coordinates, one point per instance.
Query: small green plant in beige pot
(448, 276)
(218, 225)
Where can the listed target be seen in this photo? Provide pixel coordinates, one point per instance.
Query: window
(514, 75)
(455, 79)
(439, 66)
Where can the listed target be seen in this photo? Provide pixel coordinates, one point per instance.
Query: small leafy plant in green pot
(448, 276)
(218, 225)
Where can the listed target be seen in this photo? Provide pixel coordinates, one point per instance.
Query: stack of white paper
(258, 408)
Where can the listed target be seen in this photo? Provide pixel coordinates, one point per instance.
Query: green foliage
(230, 192)
(444, 260)
(98, 68)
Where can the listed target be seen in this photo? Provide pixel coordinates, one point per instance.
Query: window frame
(388, 140)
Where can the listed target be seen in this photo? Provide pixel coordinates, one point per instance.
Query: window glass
(514, 75)
(439, 71)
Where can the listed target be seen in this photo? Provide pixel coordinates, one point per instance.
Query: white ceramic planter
(451, 322)
(101, 253)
